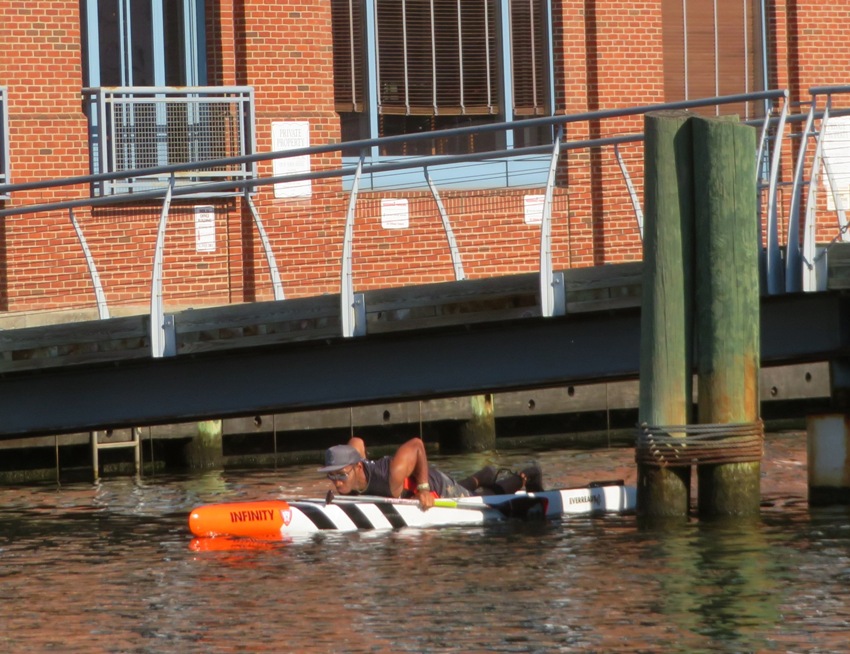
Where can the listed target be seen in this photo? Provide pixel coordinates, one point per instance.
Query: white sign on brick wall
(533, 205)
(395, 213)
(291, 135)
(836, 153)
(204, 229)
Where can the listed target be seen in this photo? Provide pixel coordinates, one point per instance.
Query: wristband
(420, 488)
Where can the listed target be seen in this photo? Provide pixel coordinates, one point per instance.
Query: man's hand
(426, 499)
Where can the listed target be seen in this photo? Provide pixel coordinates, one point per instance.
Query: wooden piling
(204, 451)
(666, 328)
(727, 300)
(478, 434)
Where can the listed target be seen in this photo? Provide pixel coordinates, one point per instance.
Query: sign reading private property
(291, 135)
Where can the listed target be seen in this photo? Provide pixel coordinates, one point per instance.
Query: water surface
(108, 568)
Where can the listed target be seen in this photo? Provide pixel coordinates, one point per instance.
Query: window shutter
(348, 55)
(529, 55)
(711, 48)
(437, 57)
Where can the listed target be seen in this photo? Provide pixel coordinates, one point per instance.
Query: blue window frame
(411, 66)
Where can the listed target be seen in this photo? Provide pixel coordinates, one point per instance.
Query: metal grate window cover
(146, 128)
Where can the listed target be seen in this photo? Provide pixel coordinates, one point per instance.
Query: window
(713, 48)
(145, 43)
(410, 66)
(148, 106)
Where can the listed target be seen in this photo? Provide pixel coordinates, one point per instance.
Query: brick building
(327, 71)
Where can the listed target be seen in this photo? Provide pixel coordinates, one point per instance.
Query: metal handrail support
(100, 297)
(631, 189)
(551, 303)
(793, 256)
(277, 285)
(774, 257)
(807, 271)
(158, 330)
(457, 264)
(351, 308)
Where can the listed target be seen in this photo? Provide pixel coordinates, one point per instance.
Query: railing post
(793, 261)
(631, 189)
(774, 256)
(450, 237)
(158, 333)
(349, 311)
(808, 269)
(547, 287)
(102, 309)
(277, 285)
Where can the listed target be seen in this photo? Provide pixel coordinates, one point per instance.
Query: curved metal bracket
(158, 329)
(793, 259)
(808, 269)
(632, 194)
(102, 309)
(774, 256)
(547, 284)
(277, 285)
(450, 237)
(349, 311)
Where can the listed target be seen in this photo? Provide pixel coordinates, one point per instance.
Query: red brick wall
(608, 54)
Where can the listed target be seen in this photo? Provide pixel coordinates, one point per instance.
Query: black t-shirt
(378, 478)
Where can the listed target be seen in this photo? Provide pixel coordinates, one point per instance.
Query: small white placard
(533, 205)
(395, 213)
(204, 229)
(291, 135)
(836, 142)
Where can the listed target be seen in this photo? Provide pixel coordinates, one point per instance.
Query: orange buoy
(262, 519)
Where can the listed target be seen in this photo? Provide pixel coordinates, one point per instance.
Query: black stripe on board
(356, 515)
(392, 515)
(316, 516)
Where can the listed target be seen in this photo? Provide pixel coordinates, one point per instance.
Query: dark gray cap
(339, 457)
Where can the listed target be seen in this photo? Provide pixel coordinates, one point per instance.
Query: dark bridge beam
(424, 363)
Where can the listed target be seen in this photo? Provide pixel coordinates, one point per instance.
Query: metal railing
(133, 128)
(4, 140)
(831, 145)
(609, 138)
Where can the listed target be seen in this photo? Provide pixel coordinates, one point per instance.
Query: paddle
(522, 506)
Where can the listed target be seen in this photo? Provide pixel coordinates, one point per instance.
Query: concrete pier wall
(587, 416)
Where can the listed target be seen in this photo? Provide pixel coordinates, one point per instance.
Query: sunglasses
(340, 475)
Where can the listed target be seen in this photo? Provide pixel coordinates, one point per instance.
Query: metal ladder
(135, 442)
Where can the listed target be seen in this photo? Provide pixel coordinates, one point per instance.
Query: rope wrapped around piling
(700, 445)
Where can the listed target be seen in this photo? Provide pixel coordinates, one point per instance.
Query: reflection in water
(109, 568)
(715, 581)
